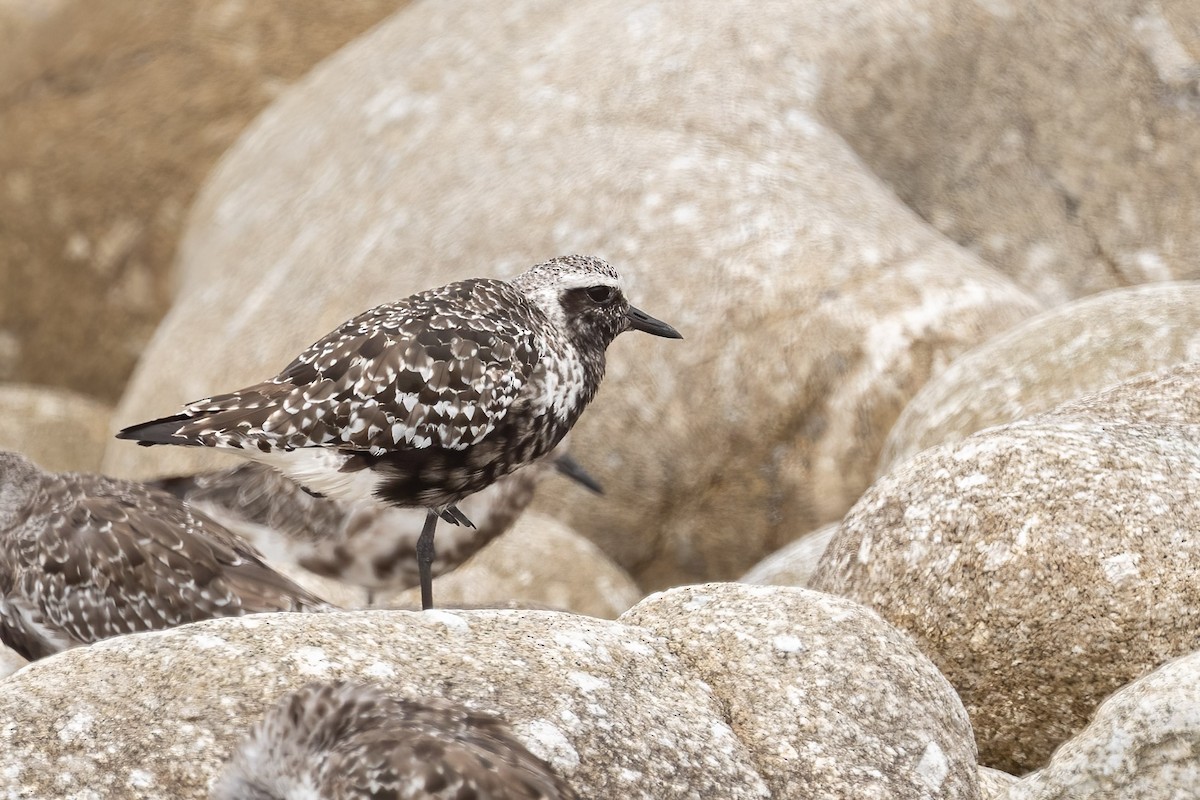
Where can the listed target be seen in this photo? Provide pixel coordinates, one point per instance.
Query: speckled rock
(994, 784)
(794, 564)
(830, 700)
(154, 716)
(540, 561)
(60, 430)
(1041, 564)
(1073, 350)
(814, 304)
(1141, 744)
(113, 114)
(1057, 140)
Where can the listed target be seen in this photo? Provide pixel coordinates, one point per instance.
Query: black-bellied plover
(352, 740)
(370, 546)
(84, 557)
(425, 401)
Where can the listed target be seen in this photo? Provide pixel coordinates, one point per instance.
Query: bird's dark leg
(425, 559)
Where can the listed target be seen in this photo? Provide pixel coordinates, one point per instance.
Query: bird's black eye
(600, 294)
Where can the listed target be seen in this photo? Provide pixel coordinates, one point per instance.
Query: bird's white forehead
(567, 272)
(580, 280)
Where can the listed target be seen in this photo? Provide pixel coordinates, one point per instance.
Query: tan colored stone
(10, 661)
(113, 114)
(1041, 564)
(539, 562)
(1142, 743)
(58, 429)
(830, 700)
(814, 304)
(608, 706)
(994, 784)
(1072, 350)
(1056, 140)
(794, 564)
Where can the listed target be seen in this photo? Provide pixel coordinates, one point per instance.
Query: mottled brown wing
(128, 560)
(438, 369)
(434, 749)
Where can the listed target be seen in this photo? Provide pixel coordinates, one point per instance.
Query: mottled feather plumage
(348, 741)
(425, 401)
(84, 557)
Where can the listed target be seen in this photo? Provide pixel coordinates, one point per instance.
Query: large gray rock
(60, 430)
(1142, 743)
(1041, 564)
(1057, 140)
(608, 706)
(451, 141)
(830, 700)
(113, 114)
(1075, 349)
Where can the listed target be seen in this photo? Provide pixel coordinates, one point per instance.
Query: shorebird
(366, 545)
(425, 401)
(341, 740)
(84, 557)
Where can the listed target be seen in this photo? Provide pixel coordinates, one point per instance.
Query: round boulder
(1048, 359)
(606, 705)
(830, 700)
(1041, 564)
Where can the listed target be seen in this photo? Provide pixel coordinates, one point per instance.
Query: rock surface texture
(794, 564)
(620, 710)
(452, 142)
(1076, 349)
(1141, 743)
(1041, 564)
(1057, 141)
(60, 430)
(113, 114)
(782, 659)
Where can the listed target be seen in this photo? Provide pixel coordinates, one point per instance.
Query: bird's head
(583, 296)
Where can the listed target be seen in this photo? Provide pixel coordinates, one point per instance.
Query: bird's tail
(166, 430)
(222, 421)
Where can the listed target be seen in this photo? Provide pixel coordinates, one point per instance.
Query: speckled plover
(84, 557)
(425, 401)
(349, 740)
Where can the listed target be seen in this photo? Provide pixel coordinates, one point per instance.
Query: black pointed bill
(641, 321)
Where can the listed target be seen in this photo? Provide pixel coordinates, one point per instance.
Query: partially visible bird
(84, 557)
(349, 741)
(422, 402)
(366, 545)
